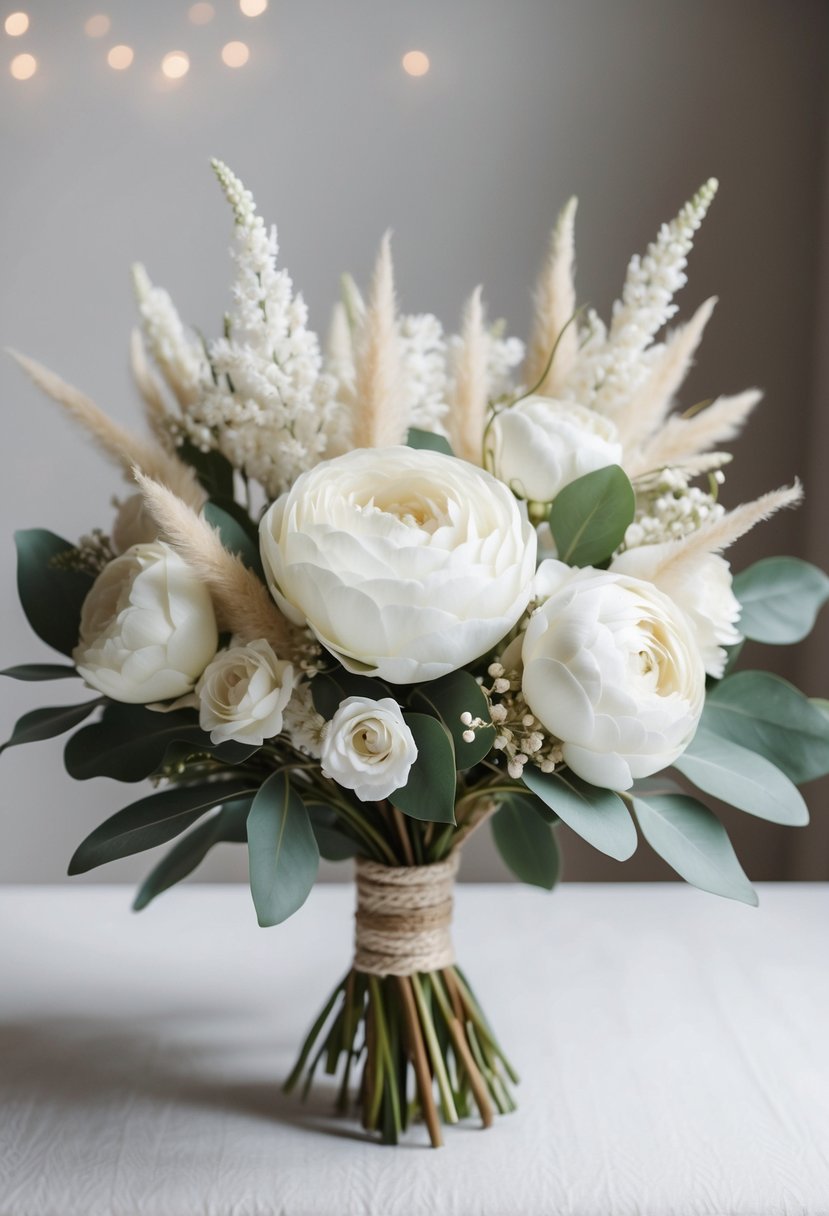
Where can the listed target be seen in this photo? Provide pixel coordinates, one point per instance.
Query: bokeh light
(22, 67)
(175, 64)
(253, 8)
(97, 26)
(120, 57)
(235, 54)
(415, 63)
(16, 24)
(201, 14)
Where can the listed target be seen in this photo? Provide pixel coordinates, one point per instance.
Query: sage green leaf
(695, 844)
(780, 598)
(51, 597)
(40, 671)
(451, 696)
(214, 471)
(590, 516)
(599, 816)
(428, 441)
(330, 688)
(771, 717)
(742, 778)
(822, 704)
(526, 843)
(282, 851)
(154, 820)
(233, 536)
(191, 850)
(47, 723)
(429, 793)
(334, 844)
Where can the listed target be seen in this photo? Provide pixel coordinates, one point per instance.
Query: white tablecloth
(674, 1049)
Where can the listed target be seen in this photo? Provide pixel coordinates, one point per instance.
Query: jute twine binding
(403, 917)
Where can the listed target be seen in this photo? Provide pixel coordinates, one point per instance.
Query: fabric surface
(673, 1049)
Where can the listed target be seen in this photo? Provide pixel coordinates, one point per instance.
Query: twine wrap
(403, 917)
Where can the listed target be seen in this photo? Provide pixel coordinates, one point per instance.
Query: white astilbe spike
(178, 355)
(125, 449)
(555, 304)
(242, 603)
(147, 384)
(681, 439)
(379, 411)
(468, 402)
(639, 417)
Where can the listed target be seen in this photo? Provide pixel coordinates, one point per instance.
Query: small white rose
(243, 692)
(147, 627)
(133, 524)
(368, 747)
(612, 669)
(540, 445)
(407, 564)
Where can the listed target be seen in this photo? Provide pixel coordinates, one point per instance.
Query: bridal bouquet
(360, 603)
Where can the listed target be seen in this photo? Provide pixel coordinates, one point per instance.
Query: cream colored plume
(379, 410)
(468, 401)
(150, 390)
(682, 439)
(242, 603)
(648, 408)
(555, 305)
(125, 449)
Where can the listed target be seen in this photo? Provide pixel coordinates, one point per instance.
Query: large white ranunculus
(243, 692)
(147, 627)
(612, 669)
(406, 564)
(540, 445)
(702, 589)
(368, 747)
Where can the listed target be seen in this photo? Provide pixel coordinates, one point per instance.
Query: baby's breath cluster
(519, 736)
(670, 508)
(89, 556)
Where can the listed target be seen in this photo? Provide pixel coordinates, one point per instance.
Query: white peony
(611, 668)
(243, 692)
(406, 564)
(701, 587)
(368, 747)
(540, 445)
(147, 627)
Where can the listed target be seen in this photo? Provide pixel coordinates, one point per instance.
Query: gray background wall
(628, 103)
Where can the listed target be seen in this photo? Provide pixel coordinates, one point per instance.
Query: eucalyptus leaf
(214, 471)
(40, 671)
(742, 778)
(695, 844)
(52, 597)
(428, 441)
(282, 851)
(154, 820)
(429, 793)
(451, 696)
(526, 843)
(233, 536)
(330, 688)
(771, 717)
(599, 816)
(590, 516)
(40, 724)
(780, 598)
(333, 843)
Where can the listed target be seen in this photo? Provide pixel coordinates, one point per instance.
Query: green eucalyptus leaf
(780, 598)
(52, 597)
(154, 820)
(233, 536)
(695, 844)
(590, 516)
(771, 717)
(597, 815)
(451, 696)
(330, 688)
(429, 793)
(31, 672)
(333, 843)
(40, 724)
(742, 778)
(192, 849)
(282, 851)
(428, 441)
(526, 843)
(214, 471)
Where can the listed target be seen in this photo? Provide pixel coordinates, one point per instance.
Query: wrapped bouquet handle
(403, 918)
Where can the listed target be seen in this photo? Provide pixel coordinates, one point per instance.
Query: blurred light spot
(235, 54)
(23, 66)
(175, 64)
(97, 26)
(16, 24)
(415, 63)
(201, 14)
(120, 57)
(253, 8)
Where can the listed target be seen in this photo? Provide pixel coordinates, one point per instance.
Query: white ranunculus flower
(701, 588)
(540, 445)
(243, 692)
(611, 668)
(133, 524)
(406, 564)
(368, 747)
(147, 627)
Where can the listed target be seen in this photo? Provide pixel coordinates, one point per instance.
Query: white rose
(540, 445)
(243, 692)
(406, 564)
(611, 668)
(147, 627)
(133, 524)
(701, 588)
(367, 747)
